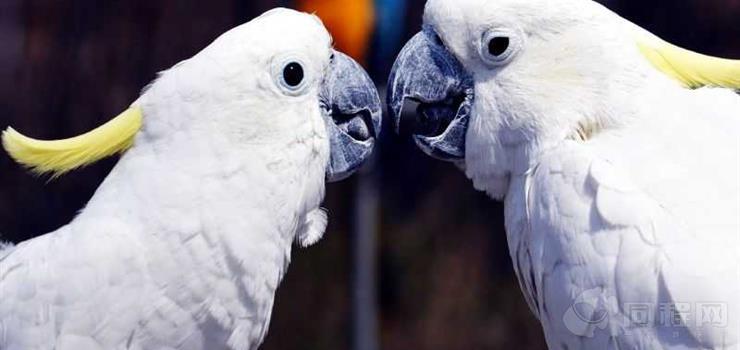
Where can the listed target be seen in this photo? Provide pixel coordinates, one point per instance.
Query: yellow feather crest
(60, 156)
(691, 69)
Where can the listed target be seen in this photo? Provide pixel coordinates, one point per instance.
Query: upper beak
(427, 73)
(352, 111)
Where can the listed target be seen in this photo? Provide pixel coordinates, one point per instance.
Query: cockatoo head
(282, 69)
(499, 81)
(275, 81)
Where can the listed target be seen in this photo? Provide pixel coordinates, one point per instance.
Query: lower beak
(352, 113)
(427, 73)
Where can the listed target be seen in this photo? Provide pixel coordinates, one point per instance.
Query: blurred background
(414, 257)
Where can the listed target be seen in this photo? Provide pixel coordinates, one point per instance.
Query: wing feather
(605, 241)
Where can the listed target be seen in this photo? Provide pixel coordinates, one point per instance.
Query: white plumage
(621, 185)
(645, 226)
(186, 241)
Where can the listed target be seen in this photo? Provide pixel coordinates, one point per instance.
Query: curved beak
(427, 73)
(352, 112)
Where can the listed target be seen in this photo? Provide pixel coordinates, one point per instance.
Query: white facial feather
(227, 102)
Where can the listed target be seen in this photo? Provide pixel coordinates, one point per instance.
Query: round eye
(290, 74)
(499, 46)
(293, 74)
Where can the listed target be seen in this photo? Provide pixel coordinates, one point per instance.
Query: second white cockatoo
(617, 156)
(225, 158)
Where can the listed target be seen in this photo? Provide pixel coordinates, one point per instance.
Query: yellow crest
(60, 156)
(691, 69)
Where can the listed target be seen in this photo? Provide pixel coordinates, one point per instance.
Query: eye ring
(291, 75)
(499, 46)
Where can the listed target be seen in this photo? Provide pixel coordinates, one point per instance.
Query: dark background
(445, 277)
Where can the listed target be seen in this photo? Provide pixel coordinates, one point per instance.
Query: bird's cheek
(319, 138)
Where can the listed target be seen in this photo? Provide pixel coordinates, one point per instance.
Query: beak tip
(395, 117)
(377, 120)
(394, 107)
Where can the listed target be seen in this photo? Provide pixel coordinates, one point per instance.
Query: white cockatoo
(185, 242)
(617, 155)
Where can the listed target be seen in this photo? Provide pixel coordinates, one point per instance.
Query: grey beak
(427, 73)
(352, 113)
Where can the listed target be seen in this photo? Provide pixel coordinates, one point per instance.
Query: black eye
(497, 46)
(293, 74)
